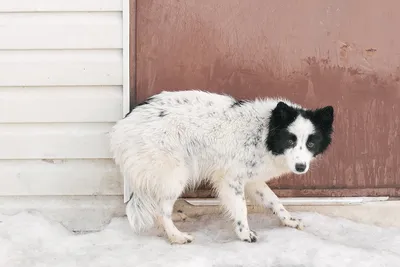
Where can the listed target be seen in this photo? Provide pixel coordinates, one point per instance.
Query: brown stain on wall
(290, 49)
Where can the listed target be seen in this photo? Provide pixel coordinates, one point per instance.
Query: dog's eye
(291, 142)
(310, 144)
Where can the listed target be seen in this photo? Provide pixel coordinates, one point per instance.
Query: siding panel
(60, 5)
(60, 67)
(60, 104)
(59, 177)
(60, 93)
(82, 30)
(54, 141)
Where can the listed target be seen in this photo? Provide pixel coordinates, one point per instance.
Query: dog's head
(299, 135)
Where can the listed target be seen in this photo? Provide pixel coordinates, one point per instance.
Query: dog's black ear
(324, 118)
(284, 112)
(325, 115)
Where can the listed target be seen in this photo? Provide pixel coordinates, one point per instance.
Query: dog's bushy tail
(141, 211)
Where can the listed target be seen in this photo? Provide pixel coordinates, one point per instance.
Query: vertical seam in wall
(128, 88)
(135, 55)
(125, 57)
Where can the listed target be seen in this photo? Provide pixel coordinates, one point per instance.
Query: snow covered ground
(30, 240)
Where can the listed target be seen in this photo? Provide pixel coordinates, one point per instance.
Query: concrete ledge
(377, 211)
(92, 213)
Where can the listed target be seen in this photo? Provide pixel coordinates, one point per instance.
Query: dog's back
(191, 103)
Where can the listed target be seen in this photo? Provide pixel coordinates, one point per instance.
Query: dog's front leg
(260, 192)
(232, 197)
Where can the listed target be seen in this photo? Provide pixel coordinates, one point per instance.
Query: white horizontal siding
(60, 104)
(60, 94)
(59, 177)
(54, 141)
(84, 30)
(60, 67)
(60, 5)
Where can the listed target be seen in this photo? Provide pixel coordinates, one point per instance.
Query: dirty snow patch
(28, 240)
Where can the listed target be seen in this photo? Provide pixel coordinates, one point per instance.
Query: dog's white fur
(182, 138)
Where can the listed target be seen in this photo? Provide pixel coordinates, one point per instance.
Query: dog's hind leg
(260, 192)
(172, 189)
(165, 219)
(232, 197)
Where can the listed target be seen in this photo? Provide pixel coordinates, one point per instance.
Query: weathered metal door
(315, 52)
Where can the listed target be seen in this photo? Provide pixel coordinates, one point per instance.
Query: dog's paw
(248, 236)
(182, 238)
(294, 223)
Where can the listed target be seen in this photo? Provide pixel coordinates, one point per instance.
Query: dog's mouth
(299, 173)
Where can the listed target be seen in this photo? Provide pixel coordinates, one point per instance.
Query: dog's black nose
(300, 167)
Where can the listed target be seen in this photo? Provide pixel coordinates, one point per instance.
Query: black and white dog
(174, 140)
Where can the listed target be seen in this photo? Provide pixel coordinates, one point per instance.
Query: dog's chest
(265, 168)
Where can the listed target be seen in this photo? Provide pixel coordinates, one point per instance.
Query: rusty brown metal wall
(315, 52)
